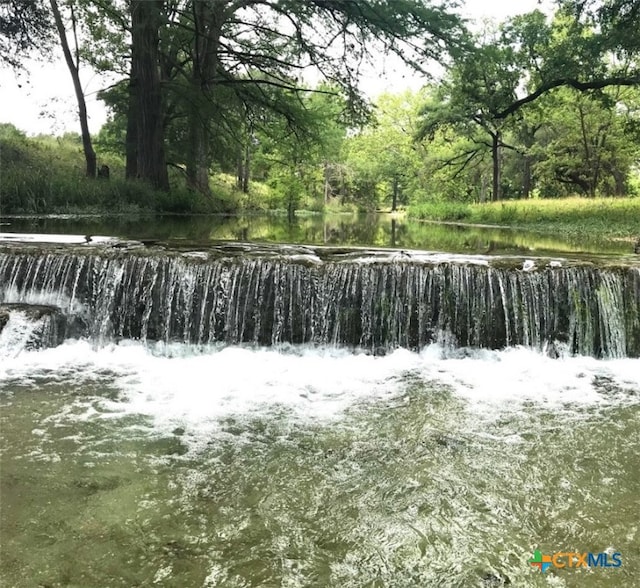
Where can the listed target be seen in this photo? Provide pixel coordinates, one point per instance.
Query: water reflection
(380, 230)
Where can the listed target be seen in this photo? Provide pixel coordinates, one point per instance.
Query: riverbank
(46, 175)
(611, 218)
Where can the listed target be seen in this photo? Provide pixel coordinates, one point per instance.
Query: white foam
(520, 375)
(178, 388)
(16, 334)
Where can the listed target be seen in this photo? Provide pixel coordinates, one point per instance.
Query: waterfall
(26, 327)
(372, 300)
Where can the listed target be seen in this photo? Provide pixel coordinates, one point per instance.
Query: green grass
(606, 217)
(45, 175)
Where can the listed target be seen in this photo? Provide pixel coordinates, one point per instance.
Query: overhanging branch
(572, 83)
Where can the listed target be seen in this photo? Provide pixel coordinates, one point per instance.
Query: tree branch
(633, 80)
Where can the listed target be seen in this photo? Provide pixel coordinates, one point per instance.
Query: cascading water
(217, 418)
(25, 327)
(371, 300)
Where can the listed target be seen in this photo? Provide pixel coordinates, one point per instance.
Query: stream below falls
(402, 419)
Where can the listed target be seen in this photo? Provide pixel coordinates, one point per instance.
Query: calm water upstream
(163, 463)
(358, 230)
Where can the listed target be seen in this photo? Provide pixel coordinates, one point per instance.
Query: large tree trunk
(198, 156)
(620, 181)
(528, 138)
(147, 111)
(526, 177)
(246, 168)
(327, 182)
(495, 157)
(131, 146)
(74, 69)
(208, 16)
(240, 168)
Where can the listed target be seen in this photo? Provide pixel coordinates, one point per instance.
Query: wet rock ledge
(47, 324)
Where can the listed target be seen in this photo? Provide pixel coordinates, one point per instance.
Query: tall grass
(45, 175)
(604, 216)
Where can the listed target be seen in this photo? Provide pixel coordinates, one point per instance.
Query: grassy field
(605, 217)
(45, 175)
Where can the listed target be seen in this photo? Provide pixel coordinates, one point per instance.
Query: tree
(145, 128)
(196, 65)
(384, 153)
(73, 64)
(300, 156)
(590, 45)
(259, 44)
(588, 142)
(208, 19)
(480, 85)
(585, 47)
(25, 26)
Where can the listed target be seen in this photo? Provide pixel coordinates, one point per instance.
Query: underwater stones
(553, 350)
(97, 484)
(491, 580)
(449, 442)
(557, 345)
(166, 446)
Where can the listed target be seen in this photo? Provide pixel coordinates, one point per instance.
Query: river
(315, 459)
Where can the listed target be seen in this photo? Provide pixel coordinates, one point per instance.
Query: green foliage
(231, 69)
(9, 132)
(25, 25)
(382, 158)
(482, 84)
(604, 216)
(454, 170)
(564, 142)
(617, 21)
(46, 175)
(240, 128)
(586, 143)
(300, 159)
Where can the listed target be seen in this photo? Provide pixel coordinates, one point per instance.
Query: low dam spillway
(376, 300)
(246, 415)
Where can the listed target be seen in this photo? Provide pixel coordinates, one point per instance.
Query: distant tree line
(536, 106)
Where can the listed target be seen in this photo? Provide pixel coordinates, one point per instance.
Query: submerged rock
(491, 580)
(33, 325)
(32, 311)
(449, 442)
